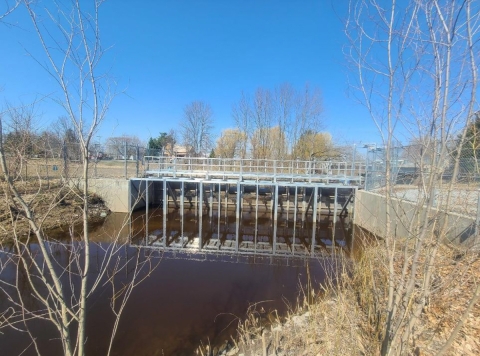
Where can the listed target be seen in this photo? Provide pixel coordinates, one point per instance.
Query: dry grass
(35, 168)
(59, 206)
(348, 317)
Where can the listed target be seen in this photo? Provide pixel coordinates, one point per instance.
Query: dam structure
(245, 206)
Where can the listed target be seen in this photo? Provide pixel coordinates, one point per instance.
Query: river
(188, 299)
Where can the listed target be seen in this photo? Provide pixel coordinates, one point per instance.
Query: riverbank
(347, 318)
(53, 203)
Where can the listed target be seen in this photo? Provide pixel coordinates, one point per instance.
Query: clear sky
(166, 54)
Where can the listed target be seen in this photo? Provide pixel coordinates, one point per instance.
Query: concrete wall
(371, 214)
(114, 192)
(138, 193)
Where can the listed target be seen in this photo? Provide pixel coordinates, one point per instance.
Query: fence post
(477, 223)
(65, 157)
(46, 166)
(137, 153)
(175, 167)
(241, 171)
(125, 156)
(353, 159)
(366, 171)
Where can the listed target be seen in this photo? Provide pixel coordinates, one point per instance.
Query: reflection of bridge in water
(232, 209)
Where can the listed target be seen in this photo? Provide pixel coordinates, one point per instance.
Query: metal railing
(255, 168)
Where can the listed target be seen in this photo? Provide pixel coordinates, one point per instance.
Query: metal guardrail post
(125, 156)
(200, 200)
(275, 171)
(147, 205)
(241, 170)
(353, 158)
(310, 171)
(175, 167)
(137, 154)
(164, 212)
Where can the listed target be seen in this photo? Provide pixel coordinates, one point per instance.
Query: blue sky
(166, 54)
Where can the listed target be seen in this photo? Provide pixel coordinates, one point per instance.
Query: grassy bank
(348, 317)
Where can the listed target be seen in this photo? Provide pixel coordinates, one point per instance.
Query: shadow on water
(191, 296)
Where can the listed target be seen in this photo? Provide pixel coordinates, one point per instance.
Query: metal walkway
(307, 203)
(327, 172)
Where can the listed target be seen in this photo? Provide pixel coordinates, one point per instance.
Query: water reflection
(187, 299)
(250, 233)
(211, 268)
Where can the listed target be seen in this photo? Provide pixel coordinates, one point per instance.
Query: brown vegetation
(54, 204)
(347, 319)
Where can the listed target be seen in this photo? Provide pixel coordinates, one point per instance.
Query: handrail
(255, 166)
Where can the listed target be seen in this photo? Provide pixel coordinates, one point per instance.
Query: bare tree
(19, 137)
(196, 128)
(70, 39)
(317, 145)
(285, 111)
(8, 8)
(273, 122)
(242, 114)
(122, 147)
(171, 143)
(230, 144)
(308, 113)
(416, 65)
(263, 118)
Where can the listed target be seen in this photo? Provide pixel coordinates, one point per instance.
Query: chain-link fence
(412, 168)
(127, 161)
(66, 160)
(409, 165)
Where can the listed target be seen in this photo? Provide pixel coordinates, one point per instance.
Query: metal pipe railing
(257, 166)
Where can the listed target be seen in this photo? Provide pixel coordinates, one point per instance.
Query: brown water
(189, 298)
(249, 232)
